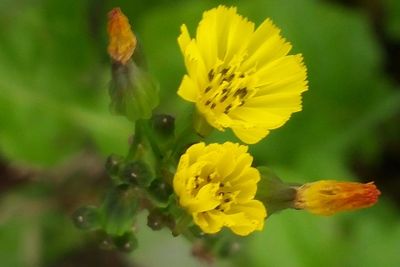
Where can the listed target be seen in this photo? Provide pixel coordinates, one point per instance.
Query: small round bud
(127, 242)
(163, 124)
(106, 243)
(113, 164)
(137, 173)
(160, 190)
(86, 218)
(155, 220)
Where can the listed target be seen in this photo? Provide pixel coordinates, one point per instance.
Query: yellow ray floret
(240, 77)
(217, 185)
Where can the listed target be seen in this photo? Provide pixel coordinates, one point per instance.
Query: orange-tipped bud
(329, 197)
(122, 41)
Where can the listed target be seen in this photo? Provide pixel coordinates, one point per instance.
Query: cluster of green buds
(191, 188)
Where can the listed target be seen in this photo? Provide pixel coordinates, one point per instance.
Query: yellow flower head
(217, 185)
(241, 77)
(329, 197)
(122, 41)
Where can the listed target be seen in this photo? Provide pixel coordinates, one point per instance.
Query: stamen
(224, 71)
(242, 92)
(228, 108)
(211, 75)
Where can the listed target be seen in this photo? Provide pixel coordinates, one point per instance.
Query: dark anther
(228, 108)
(241, 75)
(226, 200)
(221, 194)
(242, 92)
(224, 91)
(221, 185)
(211, 75)
(224, 71)
(213, 105)
(223, 98)
(207, 89)
(208, 102)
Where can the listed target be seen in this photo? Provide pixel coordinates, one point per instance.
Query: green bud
(113, 165)
(137, 173)
(160, 191)
(133, 93)
(106, 242)
(163, 125)
(127, 242)
(119, 210)
(157, 219)
(86, 218)
(275, 194)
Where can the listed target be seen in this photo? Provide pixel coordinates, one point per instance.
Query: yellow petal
(253, 217)
(266, 45)
(184, 38)
(250, 135)
(188, 89)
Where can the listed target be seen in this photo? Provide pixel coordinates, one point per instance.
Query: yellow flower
(329, 197)
(122, 41)
(217, 185)
(240, 77)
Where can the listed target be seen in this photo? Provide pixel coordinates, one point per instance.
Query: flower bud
(163, 124)
(137, 173)
(160, 191)
(86, 218)
(133, 93)
(127, 242)
(157, 219)
(119, 210)
(329, 197)
(113, 164)
(122, 41)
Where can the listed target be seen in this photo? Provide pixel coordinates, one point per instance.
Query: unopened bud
(137, 173)
(157, 219)
(127, 242)
(133, 92)
(122, 41)
(329, 197)
(160, 191)
(86, 218)
(119, 210)
(163, 124)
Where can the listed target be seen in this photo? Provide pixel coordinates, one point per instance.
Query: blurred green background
(56, 130)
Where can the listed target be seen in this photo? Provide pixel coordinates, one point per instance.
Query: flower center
(224, 193)
(227, 89)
